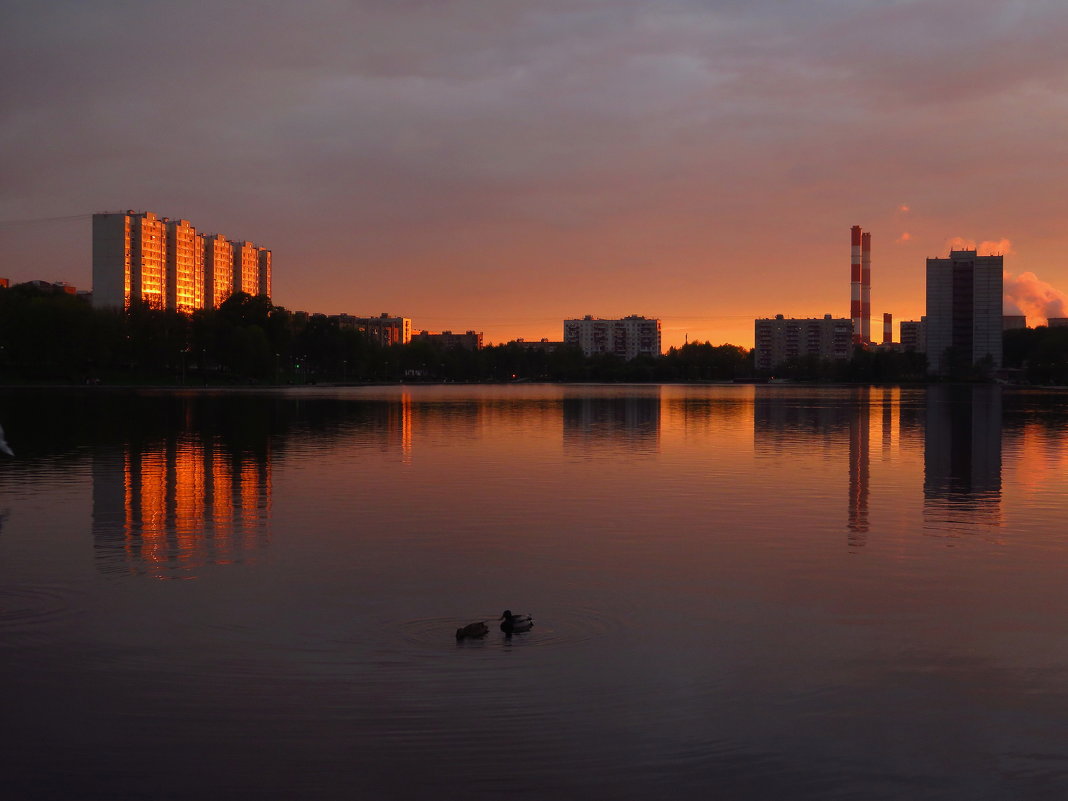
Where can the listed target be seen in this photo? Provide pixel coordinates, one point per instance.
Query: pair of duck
(510, 624)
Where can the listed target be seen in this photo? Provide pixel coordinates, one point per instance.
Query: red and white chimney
(854, 283)
(865, 288)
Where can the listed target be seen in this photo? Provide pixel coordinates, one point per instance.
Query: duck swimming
(473, 630)
(515, 624)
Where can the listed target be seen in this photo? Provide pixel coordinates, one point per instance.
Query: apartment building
(780, 338)
(627, 337)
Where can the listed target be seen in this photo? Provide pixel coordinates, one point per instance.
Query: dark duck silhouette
(515, 624)
(472, 630)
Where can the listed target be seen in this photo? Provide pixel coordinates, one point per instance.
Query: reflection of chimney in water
(859, 423)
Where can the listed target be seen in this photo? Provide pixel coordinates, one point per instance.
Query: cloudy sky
(502, 165)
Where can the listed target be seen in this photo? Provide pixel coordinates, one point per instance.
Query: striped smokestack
(854, 282)
(888, 328)
(865, 288)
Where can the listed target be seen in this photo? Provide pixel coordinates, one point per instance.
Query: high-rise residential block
(778, 339)
(964, 311)
(265, 272)
(185, 267)
(218, 270)
(627, 337)
(246, 271)
(129, 259)
(169, 265)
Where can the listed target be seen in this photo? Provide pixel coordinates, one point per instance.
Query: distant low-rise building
(627, 337)
(914, 335)
(469, 340)
(780, 338)
(50, 287)
(544, 344)
(1057, 322)
(1013, 322)
(384, 330)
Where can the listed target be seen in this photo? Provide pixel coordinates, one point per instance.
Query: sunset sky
(498, 165)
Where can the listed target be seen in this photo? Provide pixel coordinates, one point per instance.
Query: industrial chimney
(854, 283)
(865, 288)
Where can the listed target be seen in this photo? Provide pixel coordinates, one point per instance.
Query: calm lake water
(739, 592)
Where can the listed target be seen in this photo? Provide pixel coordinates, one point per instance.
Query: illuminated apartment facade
(218, 270)
(168, 264)
(185, 267)
(129, 259)
(246, 260)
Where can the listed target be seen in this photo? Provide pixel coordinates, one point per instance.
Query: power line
(36, 220)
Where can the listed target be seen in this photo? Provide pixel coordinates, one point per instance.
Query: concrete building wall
(914, 335)
(964, 308)
(111, 260)
(265, 258)
(129, 259)
(780, 338)
(218, 270)
(246, 268)
(988, 301)
(148, 254)
(626, 337)
(384, 330)
(470, 340)
(185, 267)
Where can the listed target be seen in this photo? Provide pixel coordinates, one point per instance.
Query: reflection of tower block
(176, 506)
(608, 423)
(962, 454)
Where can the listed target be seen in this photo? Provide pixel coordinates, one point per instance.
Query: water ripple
(33, 610)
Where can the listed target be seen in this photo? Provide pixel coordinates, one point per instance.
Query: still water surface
(739, 593)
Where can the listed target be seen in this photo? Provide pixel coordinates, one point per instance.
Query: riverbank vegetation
(56, 337)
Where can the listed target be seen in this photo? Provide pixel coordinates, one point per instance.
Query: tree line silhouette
(57, 337)
(54, 336)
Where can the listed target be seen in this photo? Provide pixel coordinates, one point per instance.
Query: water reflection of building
(962, 456)
(612, 424)
(786, 424)
(173, 507)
